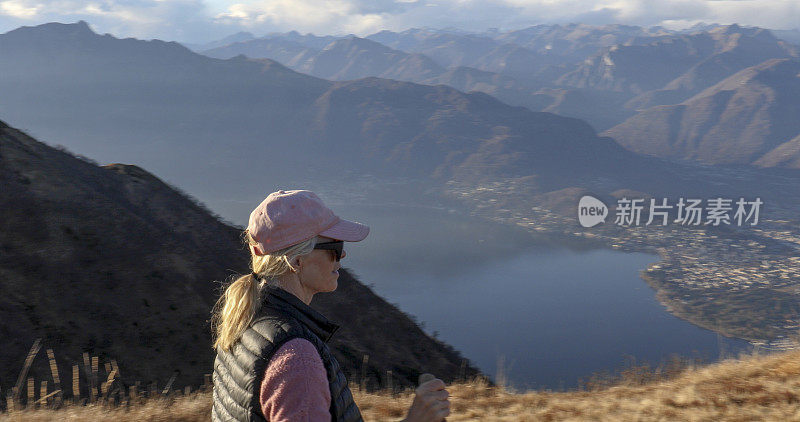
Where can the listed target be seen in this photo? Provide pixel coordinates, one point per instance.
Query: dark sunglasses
(336, 246)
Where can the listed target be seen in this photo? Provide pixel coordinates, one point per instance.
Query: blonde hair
(236, 307)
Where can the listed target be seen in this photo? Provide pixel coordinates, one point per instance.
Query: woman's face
(319, 270)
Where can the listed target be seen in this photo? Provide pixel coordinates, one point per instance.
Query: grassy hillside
(111, 266)
(749, 388)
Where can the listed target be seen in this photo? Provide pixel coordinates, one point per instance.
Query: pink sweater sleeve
(295, 385)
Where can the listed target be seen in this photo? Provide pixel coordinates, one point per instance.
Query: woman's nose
(344, 254)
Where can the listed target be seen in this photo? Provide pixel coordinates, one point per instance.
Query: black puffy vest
(238, 373)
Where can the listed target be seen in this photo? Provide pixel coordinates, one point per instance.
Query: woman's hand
(430, 403)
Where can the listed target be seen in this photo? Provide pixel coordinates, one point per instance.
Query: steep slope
(784, 155)
(113, 262)
(745, 48)
(745, 119)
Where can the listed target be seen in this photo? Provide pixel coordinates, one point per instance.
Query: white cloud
(165, 19)
(204, 20)
(287, 12)
(778, 14)
(766, 13)
(364, 16)
(20, 8)
(329, 16)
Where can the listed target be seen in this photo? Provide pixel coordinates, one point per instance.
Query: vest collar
(315, 321)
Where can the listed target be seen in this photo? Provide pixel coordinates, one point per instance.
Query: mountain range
(209, 125)
(601, 74)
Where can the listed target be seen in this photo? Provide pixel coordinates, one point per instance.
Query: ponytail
(235, 309)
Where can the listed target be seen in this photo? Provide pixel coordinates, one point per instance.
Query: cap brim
(346, 230)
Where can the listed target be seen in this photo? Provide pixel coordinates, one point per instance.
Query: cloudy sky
(207, 20)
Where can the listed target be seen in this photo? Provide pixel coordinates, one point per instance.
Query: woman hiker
(272, 360)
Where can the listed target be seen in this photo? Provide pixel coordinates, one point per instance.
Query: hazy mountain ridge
(619, 68)
(230, 39)
(747, 118)
(354, 58)
(594, 73)
(114, 262)
(444, 134)
(289, 53)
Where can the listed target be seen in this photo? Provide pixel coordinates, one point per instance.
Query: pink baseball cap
(288, 217)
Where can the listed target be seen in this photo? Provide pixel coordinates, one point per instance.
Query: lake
(548, 315)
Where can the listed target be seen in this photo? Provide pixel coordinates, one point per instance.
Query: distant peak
(239, 36)
(735, 29)
(729, 29)
(77, 27)
(58, 28)
(354, 41)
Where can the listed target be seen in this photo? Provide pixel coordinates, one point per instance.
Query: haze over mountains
(601, 74)
(228, 131)
(112, 261)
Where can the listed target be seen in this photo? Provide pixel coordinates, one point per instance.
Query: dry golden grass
(194, 407)
(750, 389)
